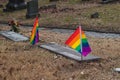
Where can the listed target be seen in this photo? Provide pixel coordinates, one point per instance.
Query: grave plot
(67, 52)
(32, 9)
(13, 36)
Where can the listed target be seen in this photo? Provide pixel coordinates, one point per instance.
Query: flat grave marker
(13, 36)
(68, 52)
(117, 70)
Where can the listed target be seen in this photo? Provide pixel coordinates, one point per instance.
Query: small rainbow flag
(78, 41)
(35, 35)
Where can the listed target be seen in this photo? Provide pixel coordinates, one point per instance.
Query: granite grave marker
(15, 5)
(32, 9)
(13, 36)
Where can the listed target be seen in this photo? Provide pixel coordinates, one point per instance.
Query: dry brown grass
(21, 61)
(69, 14)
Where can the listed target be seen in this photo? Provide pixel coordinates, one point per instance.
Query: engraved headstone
(68, 52)
(13, 36)
(32, 9)
(15, 5)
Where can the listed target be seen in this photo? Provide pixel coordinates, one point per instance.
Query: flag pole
(81, 57)
(81, 41)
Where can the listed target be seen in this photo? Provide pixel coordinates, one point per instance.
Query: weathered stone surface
(13, 36)
(117, 70)
(68, 52)
(32, 9)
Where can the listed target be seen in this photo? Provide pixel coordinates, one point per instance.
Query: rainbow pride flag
(35, 34)
(78, 41)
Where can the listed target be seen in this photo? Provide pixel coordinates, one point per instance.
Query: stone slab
(67, 52)
(13, 36)
(32, 9)
(117, 69)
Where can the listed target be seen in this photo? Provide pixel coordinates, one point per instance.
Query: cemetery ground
(22, 61)
(69, 13)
